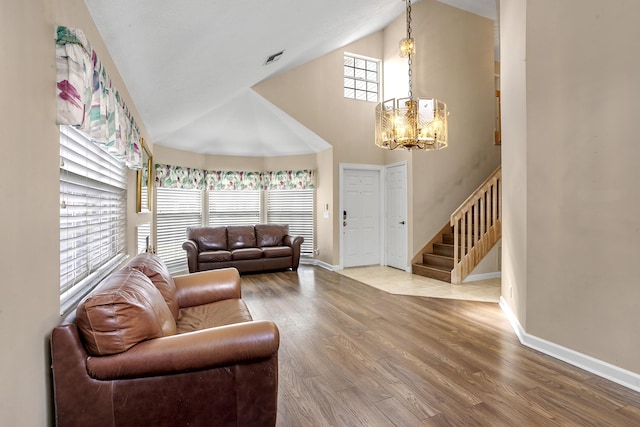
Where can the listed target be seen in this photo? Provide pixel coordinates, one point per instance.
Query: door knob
(401, 222)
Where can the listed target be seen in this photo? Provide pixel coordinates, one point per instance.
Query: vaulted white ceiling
(189, 65)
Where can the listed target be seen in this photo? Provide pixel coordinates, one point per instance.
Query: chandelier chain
(409, 38)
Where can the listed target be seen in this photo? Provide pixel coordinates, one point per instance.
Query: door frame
(381, 205)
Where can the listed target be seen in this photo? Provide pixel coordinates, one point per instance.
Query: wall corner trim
(598, 367)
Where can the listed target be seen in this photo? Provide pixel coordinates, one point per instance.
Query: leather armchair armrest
(294, 242)
(192, 255)
(199, 350)
(208, 286)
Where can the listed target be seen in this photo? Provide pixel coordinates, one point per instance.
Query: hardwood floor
(352, 355)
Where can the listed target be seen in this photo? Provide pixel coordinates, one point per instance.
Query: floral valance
(289, 180)
(169, 176)
(87, 100)
(233, 180)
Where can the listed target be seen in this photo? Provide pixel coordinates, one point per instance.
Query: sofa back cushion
(241, 236)
(152, 266)
(125, 310)
(208, 238)
(270, 234)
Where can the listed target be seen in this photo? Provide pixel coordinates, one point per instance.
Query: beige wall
(312, 94)
(580, 222)
(454, 62)
(172, 156)
(514, 155)
(462, 75)
(325, 242)
(29, 307)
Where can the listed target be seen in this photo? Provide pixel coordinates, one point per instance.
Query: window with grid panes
(177, 209)
(234, 207)
(295, 208)
(93, 216)
(361, 78)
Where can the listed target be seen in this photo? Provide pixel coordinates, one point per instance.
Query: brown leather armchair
(146, 349)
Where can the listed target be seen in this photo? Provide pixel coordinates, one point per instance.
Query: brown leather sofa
(146, 349)
(248, 248)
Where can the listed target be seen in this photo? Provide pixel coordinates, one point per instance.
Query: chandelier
(411, 122)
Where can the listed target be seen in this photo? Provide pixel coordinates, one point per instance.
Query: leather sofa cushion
(220, 313)
(214, 256)
(125, 310)
(151, 265)
(270, 234)
(241, 236)
(246, 253)
(277, 251)
(210, 238)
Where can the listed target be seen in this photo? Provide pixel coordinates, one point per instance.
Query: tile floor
(400, 282)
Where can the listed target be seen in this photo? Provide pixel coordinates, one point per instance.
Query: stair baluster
(477, 226)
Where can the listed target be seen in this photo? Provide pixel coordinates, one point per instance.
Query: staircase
(473, 229)
(437, 260)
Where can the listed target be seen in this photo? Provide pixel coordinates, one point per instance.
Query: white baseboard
(603, 369)
(317, 262)
(483, 276)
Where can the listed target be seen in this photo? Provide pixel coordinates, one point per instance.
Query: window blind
(293, 207)
(143, 234)
(234, 207)
(92, 214)
(177, 209)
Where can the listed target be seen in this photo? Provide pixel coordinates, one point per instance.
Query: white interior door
(361, 217)
(396, 216)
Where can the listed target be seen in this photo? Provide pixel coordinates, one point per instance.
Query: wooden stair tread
(432, 271)
(433, 267)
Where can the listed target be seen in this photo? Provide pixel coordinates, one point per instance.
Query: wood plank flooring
(352, 355)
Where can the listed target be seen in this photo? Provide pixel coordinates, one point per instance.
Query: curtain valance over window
(169, 176)
(289, 180)
(233, 180)
(87, 100)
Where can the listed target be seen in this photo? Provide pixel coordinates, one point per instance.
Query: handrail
(477, 226)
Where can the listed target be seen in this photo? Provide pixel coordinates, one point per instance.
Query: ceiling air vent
(273, 58)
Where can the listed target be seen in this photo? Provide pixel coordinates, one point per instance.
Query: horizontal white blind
(295, 208)
(143, 234)
(234, 207)
(92, 213)
(177, 209)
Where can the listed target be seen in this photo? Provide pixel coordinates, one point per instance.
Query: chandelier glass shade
(407, 47)
(419, 123)
(412, 122)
